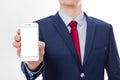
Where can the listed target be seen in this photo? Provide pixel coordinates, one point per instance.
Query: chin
(72, 3)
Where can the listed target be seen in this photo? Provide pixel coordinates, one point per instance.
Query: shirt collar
(66, 19)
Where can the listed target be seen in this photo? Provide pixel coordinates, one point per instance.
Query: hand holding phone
(29, 42)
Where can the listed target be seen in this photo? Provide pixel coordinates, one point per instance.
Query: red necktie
(75, 38)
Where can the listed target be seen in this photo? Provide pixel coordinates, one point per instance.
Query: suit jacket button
(82, 75)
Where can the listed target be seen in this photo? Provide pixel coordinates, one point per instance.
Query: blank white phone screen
(29, 41)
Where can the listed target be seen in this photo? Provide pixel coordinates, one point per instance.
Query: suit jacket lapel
(64, 33)
(89, 38)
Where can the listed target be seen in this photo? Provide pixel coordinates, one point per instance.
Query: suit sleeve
(27, 72)
(113, 60)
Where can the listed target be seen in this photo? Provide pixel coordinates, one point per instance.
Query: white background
(15, 12)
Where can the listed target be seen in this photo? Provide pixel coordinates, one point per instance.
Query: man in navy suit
(58, 54)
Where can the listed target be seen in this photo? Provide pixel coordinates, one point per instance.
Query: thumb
(41, 45)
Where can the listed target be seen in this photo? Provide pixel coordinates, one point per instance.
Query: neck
(72, 12)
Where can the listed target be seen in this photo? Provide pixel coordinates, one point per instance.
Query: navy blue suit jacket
(60, 59)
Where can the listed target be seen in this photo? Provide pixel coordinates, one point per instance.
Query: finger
(18, 31)
(41, 47)
(17, 38)
(18, 51)
(16, 44)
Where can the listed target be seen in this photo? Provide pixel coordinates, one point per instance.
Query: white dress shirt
(81, 27)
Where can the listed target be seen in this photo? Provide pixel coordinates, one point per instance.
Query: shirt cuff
(32, 73)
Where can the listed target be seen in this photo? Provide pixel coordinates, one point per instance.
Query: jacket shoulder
(100, 23)
(44, 20)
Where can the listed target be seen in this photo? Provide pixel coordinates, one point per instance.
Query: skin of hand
(32, 65)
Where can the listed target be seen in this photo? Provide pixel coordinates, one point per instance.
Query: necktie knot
(73, 24)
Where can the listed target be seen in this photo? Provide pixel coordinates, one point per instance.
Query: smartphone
(29, 42)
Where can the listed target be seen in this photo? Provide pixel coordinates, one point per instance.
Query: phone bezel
(29, 58)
